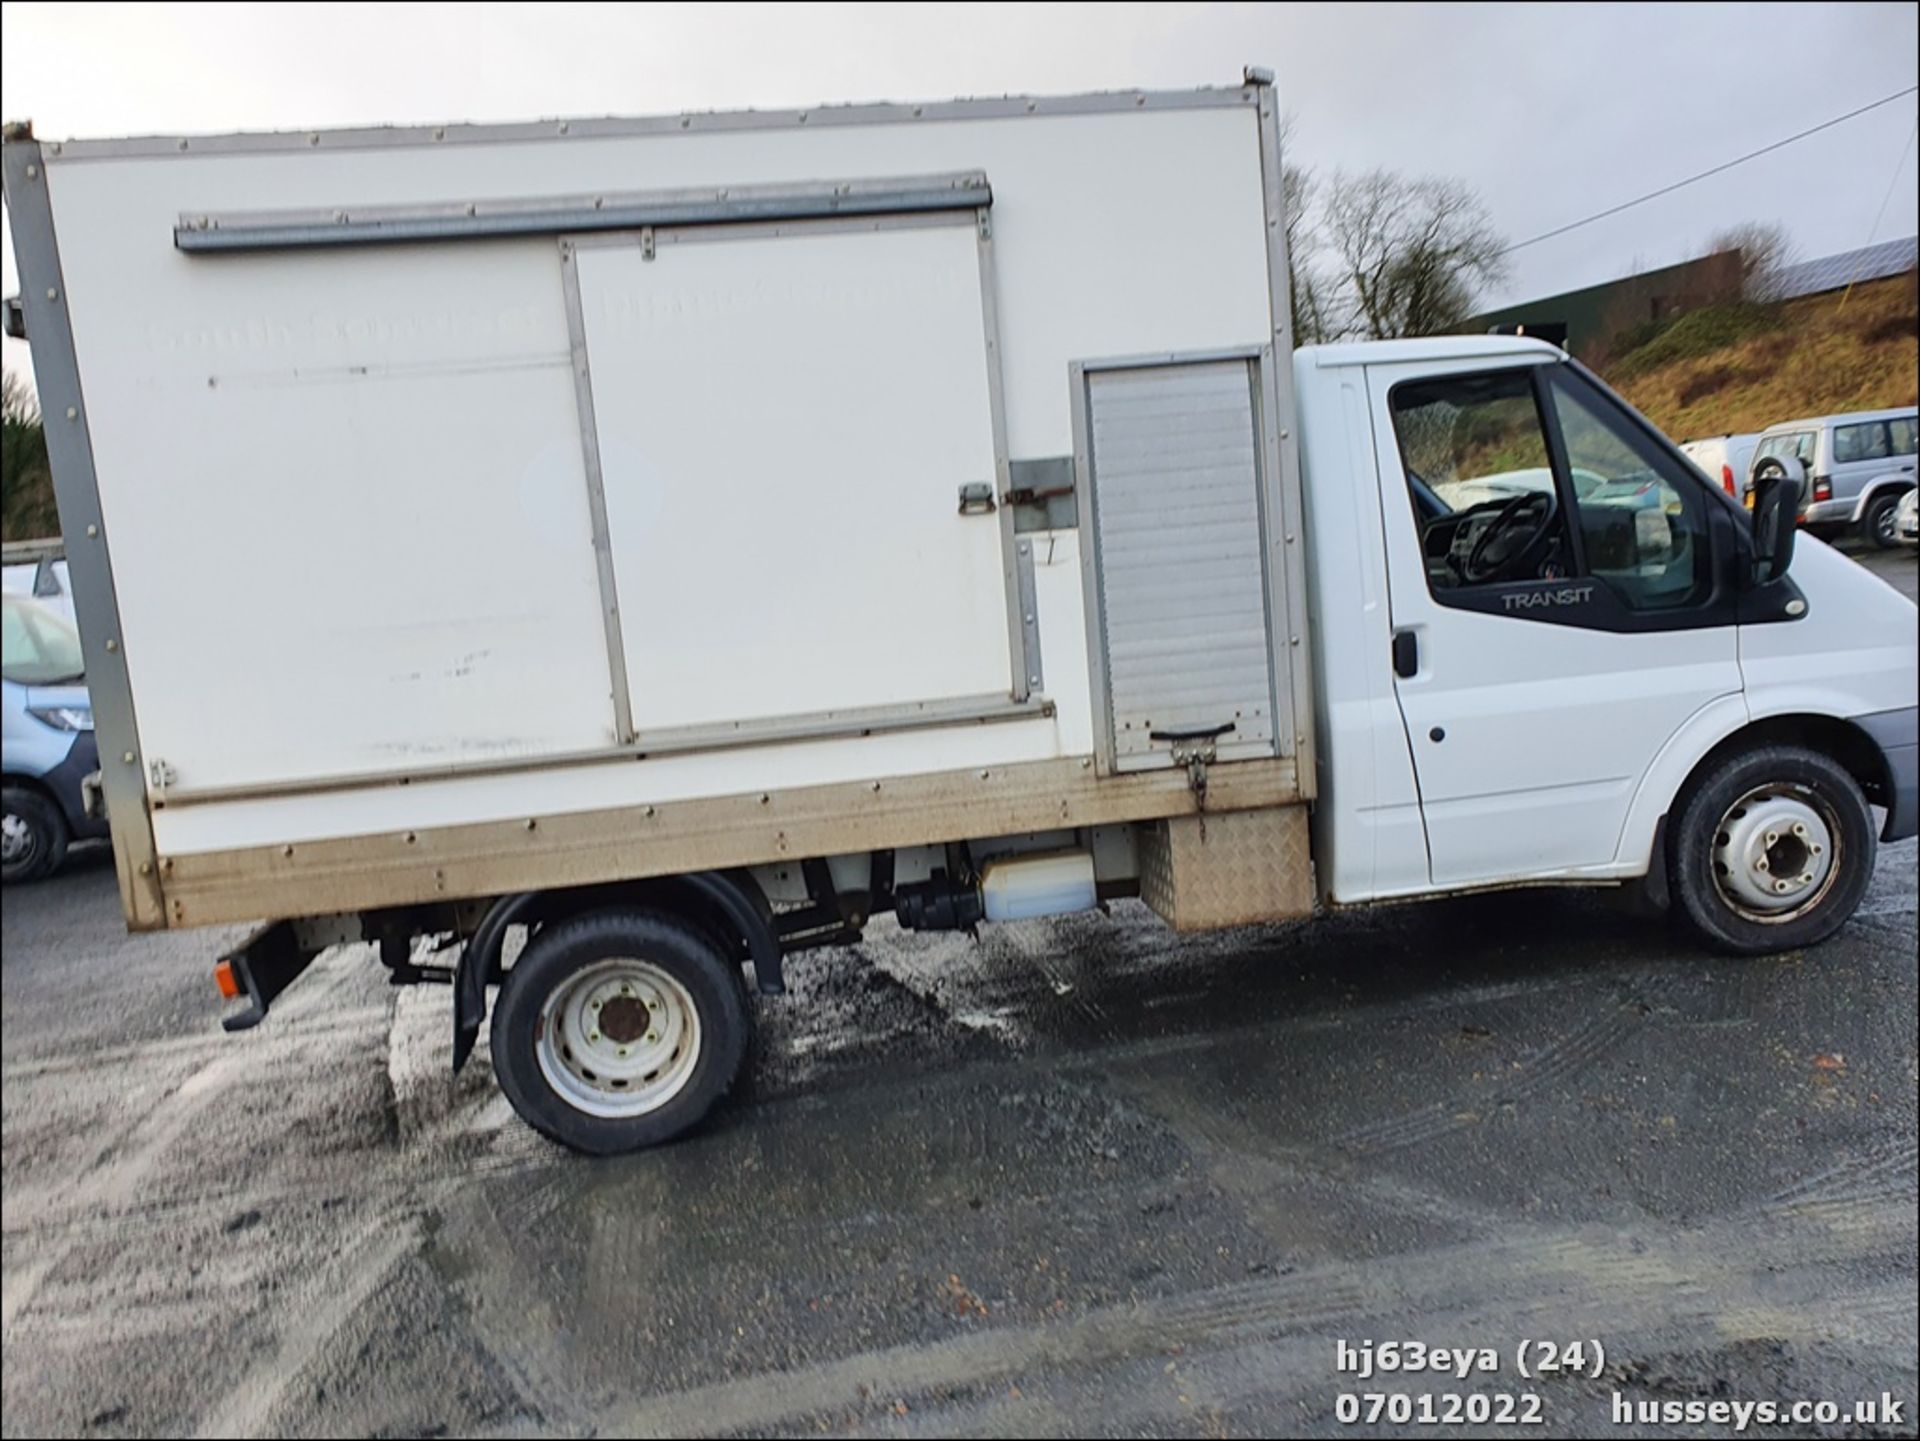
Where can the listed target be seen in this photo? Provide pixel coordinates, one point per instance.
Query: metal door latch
(1196, 750)
(976, 498)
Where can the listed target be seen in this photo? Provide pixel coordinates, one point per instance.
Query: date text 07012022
(1531, 1358)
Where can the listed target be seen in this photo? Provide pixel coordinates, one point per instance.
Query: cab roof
(1435, 347)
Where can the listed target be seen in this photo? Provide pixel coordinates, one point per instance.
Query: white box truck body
(685, 537)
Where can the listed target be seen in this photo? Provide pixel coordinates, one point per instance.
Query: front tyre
(618, 1029)
(1877, 523)
(1771, 850)
(33, 835)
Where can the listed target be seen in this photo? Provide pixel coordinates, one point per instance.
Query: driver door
(1537, 695)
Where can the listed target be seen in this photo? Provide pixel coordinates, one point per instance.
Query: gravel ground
(1081, 1177)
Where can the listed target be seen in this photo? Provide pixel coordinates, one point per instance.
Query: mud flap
(479, 963)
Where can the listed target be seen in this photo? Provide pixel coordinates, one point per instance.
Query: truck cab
(1538, 632)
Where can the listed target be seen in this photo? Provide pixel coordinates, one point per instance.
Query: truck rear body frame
(194, 846)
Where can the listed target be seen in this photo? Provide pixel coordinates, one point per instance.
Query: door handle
(1406, 654)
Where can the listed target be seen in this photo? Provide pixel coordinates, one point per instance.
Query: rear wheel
(618, 1029)
(33, 835)
(1771, 850)
(1877, 522)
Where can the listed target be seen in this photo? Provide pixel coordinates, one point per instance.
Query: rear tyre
(1771, 850)
(1876, 523)
(33, 835)
(618, 1029)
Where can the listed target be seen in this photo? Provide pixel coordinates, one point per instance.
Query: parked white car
(45, 580)
(1906, 520)
(1724, 458)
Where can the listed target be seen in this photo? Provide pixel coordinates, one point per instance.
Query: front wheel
(1771, 850)
(33, 835)
(1877, 524)
(618, 1029)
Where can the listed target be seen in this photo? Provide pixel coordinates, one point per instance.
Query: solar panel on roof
(1850, 267)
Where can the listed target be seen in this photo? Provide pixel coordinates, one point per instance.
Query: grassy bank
(1738, 366)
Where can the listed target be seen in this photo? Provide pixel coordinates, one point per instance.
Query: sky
(1551, 112)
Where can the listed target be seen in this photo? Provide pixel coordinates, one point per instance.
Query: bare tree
(26, 482)
(1306, 290)
(1412, 254)
(1315, 314)
(1765, 253)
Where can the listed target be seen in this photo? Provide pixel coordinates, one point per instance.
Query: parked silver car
(1858, 466)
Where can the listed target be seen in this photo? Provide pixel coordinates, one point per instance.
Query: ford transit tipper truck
(669, 543)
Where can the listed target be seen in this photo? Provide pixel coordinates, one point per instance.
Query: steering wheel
(1514, 541)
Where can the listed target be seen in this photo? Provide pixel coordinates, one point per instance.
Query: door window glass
(1797, 443)
(18, 645)
(1643, 518)
(1866, 440)
(1480, 478)
(37, 647)
(1901, 433)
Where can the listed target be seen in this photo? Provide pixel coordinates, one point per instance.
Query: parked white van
(1725, 458)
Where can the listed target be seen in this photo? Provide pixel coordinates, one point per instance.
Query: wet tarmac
(1078, 1177)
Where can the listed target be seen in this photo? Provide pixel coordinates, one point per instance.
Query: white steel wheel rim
(619, 1038)
(17, 843)
(1776, 853)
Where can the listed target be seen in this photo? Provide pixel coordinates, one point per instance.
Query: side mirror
(1778, 483)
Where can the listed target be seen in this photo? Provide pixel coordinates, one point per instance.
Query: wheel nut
(626, 990)
(1815, 849)
(623, 1052)
(652, 1036)
(593, 1035)
(1780, 885)
(1772, 836)
(1798, 829)
(593, 1005)
(653, 1005)
(1761, 864)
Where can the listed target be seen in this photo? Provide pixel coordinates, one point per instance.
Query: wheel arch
(1898, 483)
(727, 904)
(37, 785)
(1831, 735)
(20, 780)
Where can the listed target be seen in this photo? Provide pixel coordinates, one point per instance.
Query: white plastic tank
(1051, 884)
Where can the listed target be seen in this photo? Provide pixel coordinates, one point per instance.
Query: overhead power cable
(1691, 179)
